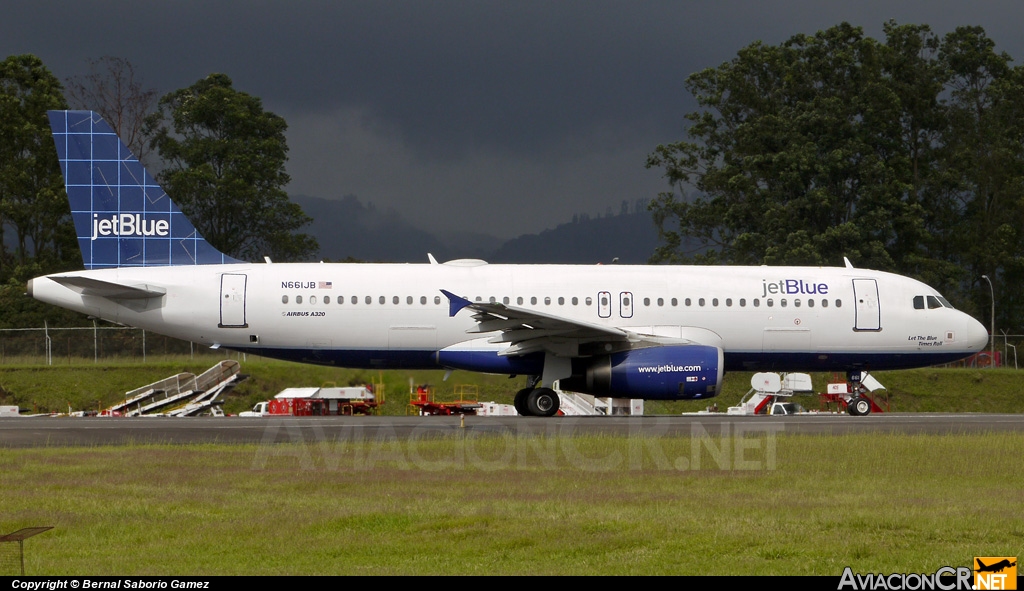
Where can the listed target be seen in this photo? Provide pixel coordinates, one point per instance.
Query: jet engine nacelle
(656, 373)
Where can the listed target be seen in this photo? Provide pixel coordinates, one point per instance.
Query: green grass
(83, 384)
(502, 505)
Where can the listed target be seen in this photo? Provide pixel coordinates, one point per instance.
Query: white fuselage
(394, 315)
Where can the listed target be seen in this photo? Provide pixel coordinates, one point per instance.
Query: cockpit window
(931, 302)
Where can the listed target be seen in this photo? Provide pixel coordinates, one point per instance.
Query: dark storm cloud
(460, 113)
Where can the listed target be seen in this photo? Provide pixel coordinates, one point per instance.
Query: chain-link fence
(67, 345)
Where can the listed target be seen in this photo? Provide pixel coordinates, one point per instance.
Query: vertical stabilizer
(122, 216)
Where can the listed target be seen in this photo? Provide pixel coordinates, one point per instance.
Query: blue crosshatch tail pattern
(122, 216)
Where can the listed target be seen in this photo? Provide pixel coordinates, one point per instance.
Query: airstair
(185, 394)
(766, 388)
(210, 384)
(576, 404)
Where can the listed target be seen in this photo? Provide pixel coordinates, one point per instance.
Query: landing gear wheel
(542, 402)
(520, 402)
(859, 406)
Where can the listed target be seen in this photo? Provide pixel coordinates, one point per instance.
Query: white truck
(260, 410)
(786, 408)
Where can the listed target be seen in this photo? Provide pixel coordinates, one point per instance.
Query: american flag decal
(325, 285)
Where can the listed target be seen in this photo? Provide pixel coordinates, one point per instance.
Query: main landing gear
(537, 402)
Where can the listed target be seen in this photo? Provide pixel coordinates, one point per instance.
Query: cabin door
(865, 292)
(232, 300)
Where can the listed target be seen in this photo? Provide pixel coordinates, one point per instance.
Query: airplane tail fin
(122, 216)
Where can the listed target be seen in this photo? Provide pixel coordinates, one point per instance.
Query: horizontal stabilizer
(107, 289)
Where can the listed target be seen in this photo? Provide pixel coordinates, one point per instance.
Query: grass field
(82, 385)
(786, 504)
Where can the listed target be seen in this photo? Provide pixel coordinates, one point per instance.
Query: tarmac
(92, 431)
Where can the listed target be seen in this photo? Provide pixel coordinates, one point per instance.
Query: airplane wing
(108, 289)
(529, 331)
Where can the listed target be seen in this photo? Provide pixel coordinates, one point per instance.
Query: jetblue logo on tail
(128, 224)
(122, 216)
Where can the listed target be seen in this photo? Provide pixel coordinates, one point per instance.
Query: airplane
(644, 331)
(995, 567)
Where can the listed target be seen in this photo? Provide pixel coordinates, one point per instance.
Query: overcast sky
(495, 117)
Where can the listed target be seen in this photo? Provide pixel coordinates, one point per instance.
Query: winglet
(455, 303)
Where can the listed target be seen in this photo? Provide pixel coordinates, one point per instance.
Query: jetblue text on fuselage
(792, 287)
(128, 224)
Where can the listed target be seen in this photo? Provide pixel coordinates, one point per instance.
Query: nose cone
(977, 336)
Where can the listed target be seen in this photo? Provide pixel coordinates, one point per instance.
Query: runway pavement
(64, 431)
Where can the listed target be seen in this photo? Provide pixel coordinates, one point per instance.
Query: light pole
(992, 292)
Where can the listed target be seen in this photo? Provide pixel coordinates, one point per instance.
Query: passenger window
(700, 302)
(382, 300)
(437, 300)
(312, 299)
(839, 303)
(547, 301)
(728, 302)
(519, 301)
(423, 300)
(687, 301)
(810, 303)
(589, 301)
(714, 302)
(327, 299)
(743, 302)
(408, 300)
(298, 299)
(675, 302)
(575, 301)
(394, 300)
(647, 301)
(369, 300)
(533, 301)
(661, 301)
(824, 303)
(355, 299)
(770, 302)
(782, 302)
(561, 301)
(505, 300)
(757, 303)
(284, 299)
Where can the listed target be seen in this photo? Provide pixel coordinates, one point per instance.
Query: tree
(982, 195)
(33, 203)
(225, 161)
(906, 155)
(798, 157)
(112, 89)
